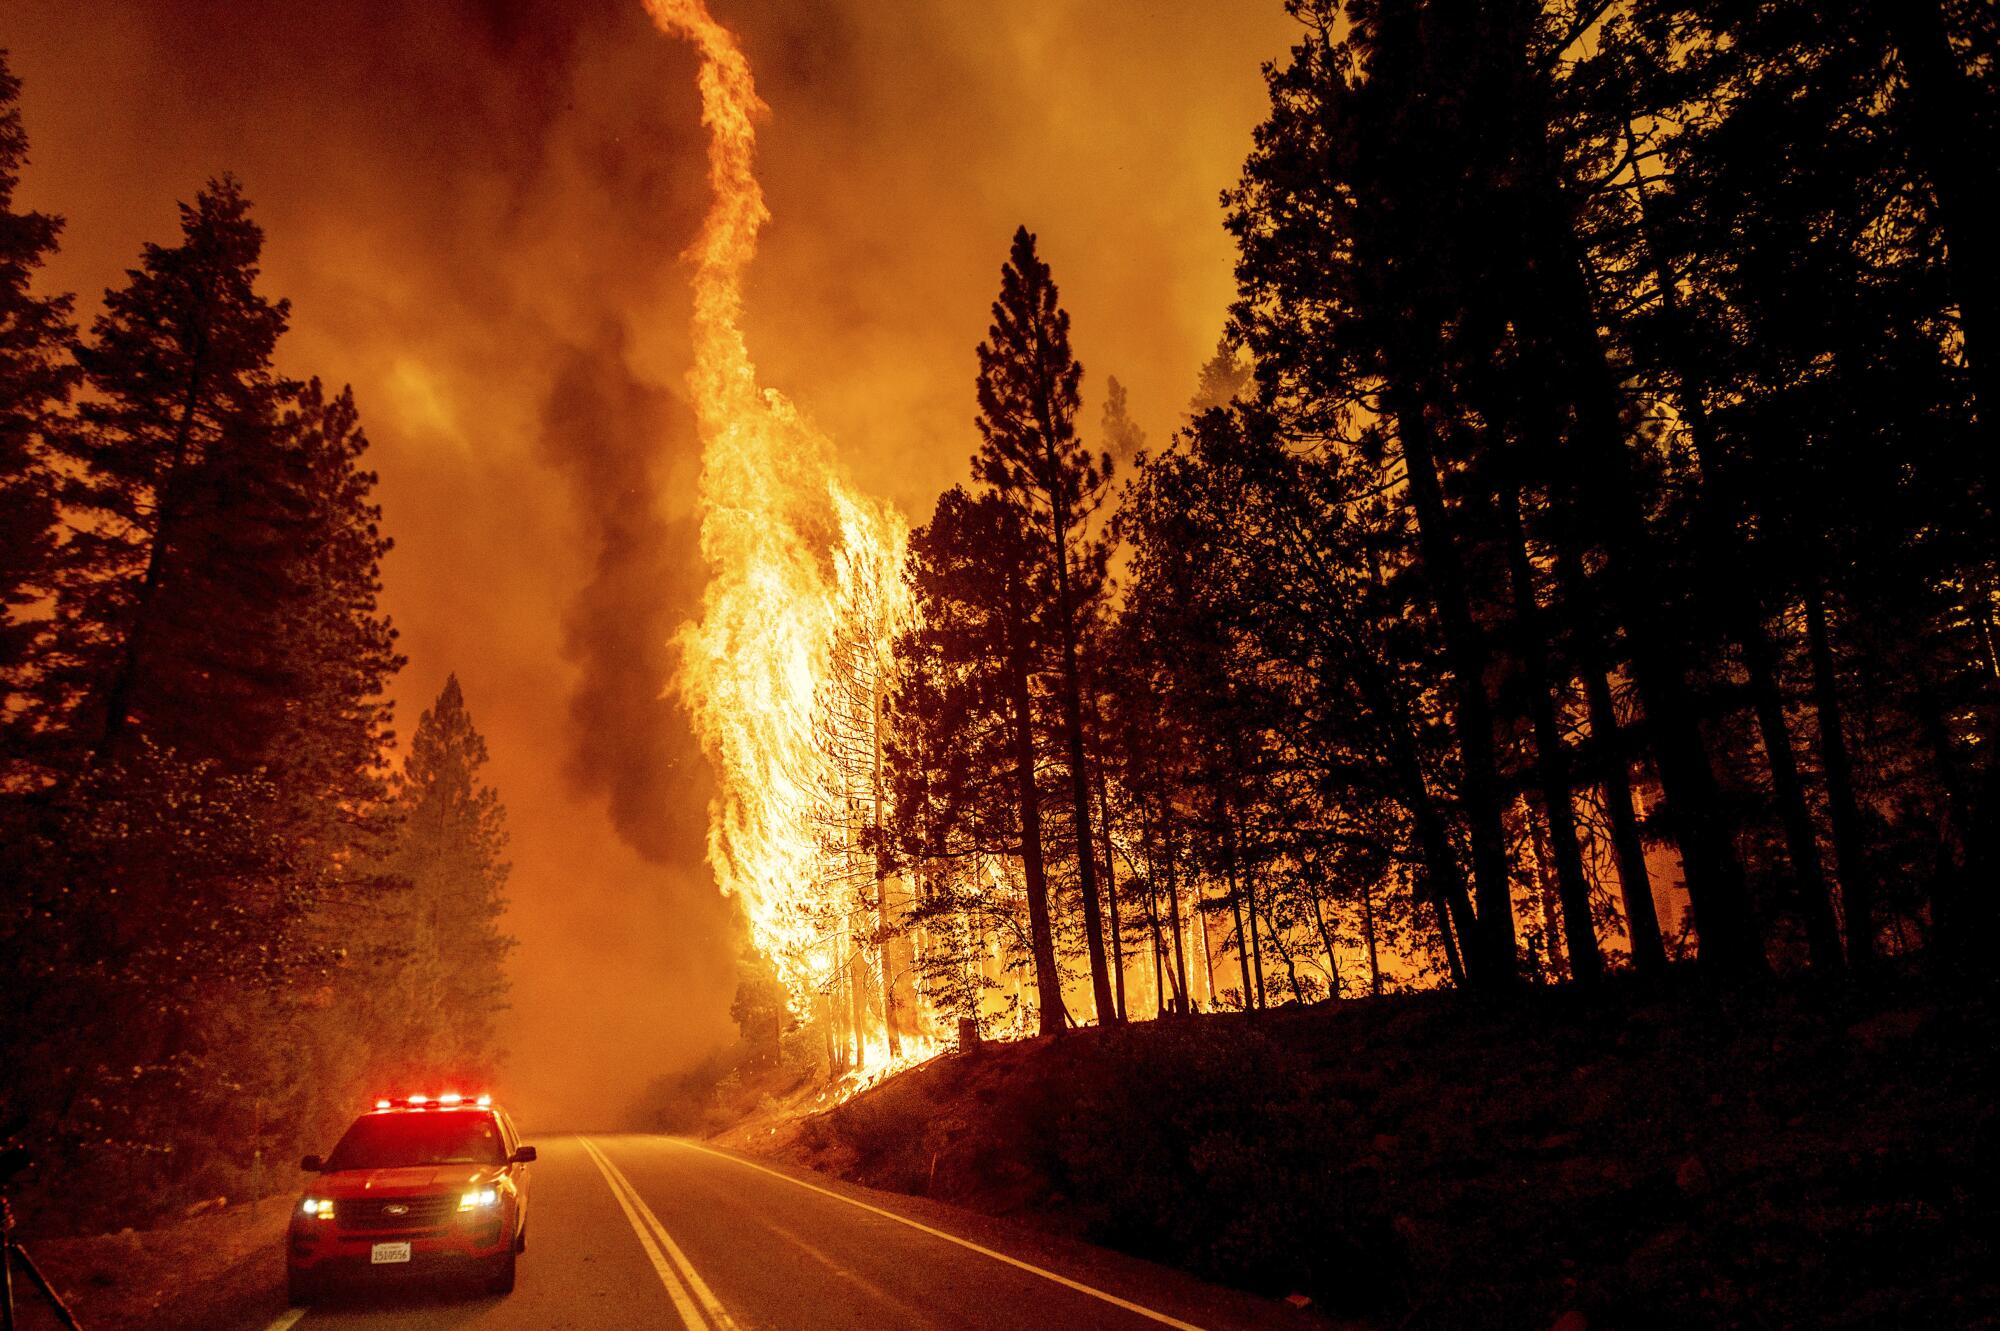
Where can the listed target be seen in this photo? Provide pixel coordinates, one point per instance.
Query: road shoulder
(221, 1270)
(1123, 1277)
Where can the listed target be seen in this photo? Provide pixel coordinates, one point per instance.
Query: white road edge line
(713, 1306)
(288, 1320)
(1065, 1281)
(683, 1303)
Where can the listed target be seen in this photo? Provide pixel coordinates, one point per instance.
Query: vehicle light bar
(446, 1100)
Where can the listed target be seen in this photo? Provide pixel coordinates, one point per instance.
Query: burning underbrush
(1780, 1157)
(757, 1086)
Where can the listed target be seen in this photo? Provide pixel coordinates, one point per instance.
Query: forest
(1573, 579)
(1577, 560)
(233, 908)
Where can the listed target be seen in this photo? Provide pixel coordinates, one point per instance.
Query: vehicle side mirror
(312, 1164)
(524, 1155)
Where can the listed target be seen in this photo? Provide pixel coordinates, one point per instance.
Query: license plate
(383, 1253)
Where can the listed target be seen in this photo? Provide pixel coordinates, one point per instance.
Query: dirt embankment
(219, 1268)
(1793, 1156)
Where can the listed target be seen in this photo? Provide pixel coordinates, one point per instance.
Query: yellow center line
(683, 1302)
(1077, 1285)
(717, 1315)
(289, 1320)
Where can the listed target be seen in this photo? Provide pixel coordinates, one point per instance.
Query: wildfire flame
(877, 1065)
(794, 554)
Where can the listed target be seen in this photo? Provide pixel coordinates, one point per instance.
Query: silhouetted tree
(36, 379)
(1031, 457)
(187, 496)
(448, 850)
(968, 719)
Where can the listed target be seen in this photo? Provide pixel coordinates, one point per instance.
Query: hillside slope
(1789, 1156)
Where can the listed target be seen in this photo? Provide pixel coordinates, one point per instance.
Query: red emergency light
(446, 1100)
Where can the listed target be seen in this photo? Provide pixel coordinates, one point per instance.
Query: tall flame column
(787, 544)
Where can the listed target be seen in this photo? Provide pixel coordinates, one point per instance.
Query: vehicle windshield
(437, 1137)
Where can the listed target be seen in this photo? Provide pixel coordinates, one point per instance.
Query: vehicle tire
(502, 1279)
(301, 1288)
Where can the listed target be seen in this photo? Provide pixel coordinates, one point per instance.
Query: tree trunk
(1548, 894)
(1716, 890)
(1155, 929)
(1368, 935)
(1241, 880)
(1490, 954)
(1174, 913)
(1552, 767)
(1079, 776)
(1252, 997)
(1614, 775)
(1333, 985)
(1110, 869)
(857, 996)
(1720, 539)
(1556, 301)
(1850, 848)
(1443, 877)
(1285, 955)
(1048, 980)
(1160, 1001)
(1159, 874)
(883, 968)
(1635, 883)
(1200, 921)
(1809, 876)
(1453, 962)
(882, 928)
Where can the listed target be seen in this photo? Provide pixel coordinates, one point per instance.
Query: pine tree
(36, 379)
(968, 720)
(1031, 456)
(1123, 437)
(1225, 377)
(452, 835)
(169, 621)
(332, 742)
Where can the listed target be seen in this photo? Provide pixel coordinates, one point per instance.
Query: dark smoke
(612, 435)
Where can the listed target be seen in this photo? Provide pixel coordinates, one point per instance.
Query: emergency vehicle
(423, 1186)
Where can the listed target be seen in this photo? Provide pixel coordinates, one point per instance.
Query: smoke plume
(615, 438)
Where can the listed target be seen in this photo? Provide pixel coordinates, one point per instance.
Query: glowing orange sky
(476, 210)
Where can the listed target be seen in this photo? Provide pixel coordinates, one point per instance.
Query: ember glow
(784, 666)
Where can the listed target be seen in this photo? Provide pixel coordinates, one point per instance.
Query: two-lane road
(658, 1232)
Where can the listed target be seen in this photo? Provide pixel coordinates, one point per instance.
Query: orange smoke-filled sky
(477, 210)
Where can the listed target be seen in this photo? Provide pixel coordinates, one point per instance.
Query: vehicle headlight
(478, 1199)
(317, 1208)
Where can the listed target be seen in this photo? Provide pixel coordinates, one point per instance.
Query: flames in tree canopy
(801, 569)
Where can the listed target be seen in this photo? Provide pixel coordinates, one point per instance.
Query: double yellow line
(696, 1303)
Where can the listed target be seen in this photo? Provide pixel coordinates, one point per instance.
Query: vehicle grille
(368, 1213)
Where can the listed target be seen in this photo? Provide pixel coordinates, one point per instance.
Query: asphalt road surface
(658, 1232)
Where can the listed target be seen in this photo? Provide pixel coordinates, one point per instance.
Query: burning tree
(784, 672)
(853, 887)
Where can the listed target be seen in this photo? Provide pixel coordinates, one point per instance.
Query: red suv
(436, 1185)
